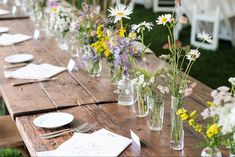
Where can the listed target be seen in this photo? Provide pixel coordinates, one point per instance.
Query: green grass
(9, 153)
(212, 68)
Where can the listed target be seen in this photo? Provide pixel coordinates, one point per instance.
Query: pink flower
(183, 20)
(193, 85)
(188, 92)
(178, 2)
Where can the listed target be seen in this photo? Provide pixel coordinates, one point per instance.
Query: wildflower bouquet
(211, 131)
(89, 18)
(178, 58)
(224, 108)
(60, 20)
(149, 95)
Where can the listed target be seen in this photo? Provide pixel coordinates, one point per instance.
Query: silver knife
(33, 81)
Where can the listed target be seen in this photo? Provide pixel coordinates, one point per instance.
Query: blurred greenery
(10, 153)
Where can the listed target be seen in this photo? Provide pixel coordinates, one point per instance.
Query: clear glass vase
(94, 68)
(140, 102)
(177, 129)
(211, 152)
(126, 91)
(63, 42)
(156, 111)
(116, 73)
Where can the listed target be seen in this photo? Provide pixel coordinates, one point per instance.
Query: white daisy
(162, 20)
(142, 26)
(205, 36)
(193, 55)
(232, 80)
(119, 12)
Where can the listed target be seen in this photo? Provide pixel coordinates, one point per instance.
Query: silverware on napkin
(33, 81)
(81, 129)
(21, 64)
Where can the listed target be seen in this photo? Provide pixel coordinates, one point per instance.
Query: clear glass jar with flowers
(113, 44)
(92, 61)
(145, 93)
(210, 131)
(60, 20)
(181, 59)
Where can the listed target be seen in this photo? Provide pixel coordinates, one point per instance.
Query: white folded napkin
(10, 39)
(4, 12)
(34, 71)
(4, 29)
(140, 47)
(100, 143)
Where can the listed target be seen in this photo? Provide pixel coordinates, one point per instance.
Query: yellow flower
(198, 128)
(181, 111)
(184, 116)
(191, 122)
(132, 35)
(210, 104)
(192, 114)
(212, 130)
(53, 10)
(122, 31)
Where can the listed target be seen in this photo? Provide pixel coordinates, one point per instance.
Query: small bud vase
(140, 102)
(156, 111)
(177, 129)
(211, 152)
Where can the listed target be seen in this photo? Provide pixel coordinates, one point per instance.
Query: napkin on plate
(100, 143)
(4, 12)
(10, 39)
(34, 71)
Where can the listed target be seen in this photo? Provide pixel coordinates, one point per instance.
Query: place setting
(101, 142)
(24, 66)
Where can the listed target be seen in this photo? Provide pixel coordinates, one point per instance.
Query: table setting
(152, 99)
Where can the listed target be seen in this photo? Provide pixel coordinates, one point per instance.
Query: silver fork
(79, 130)
(63, 130)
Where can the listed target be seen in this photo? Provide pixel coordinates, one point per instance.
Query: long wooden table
(88, 99)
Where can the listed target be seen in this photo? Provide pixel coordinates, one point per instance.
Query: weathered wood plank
(87, 113)
(21, 100)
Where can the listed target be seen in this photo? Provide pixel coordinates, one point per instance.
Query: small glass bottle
(125, 90)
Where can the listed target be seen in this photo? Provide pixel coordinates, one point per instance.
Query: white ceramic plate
(4, 29)
(53, 120)
(18, 58)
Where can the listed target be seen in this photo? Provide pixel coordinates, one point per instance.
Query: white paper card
(10, 39)
(34, 71)
(4, 12)
(100, 143)
(135, 138)
(36, 34)
(71, 65)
